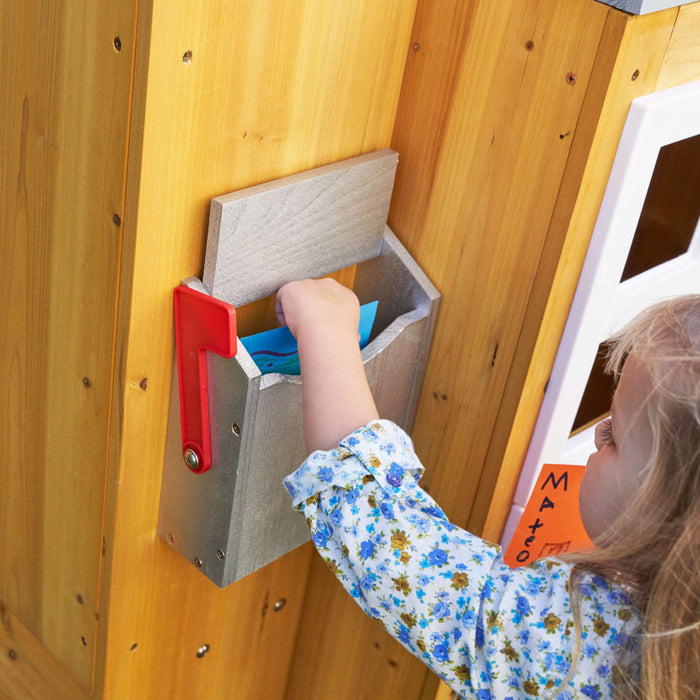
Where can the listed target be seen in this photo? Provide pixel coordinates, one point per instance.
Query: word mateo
(551, 523)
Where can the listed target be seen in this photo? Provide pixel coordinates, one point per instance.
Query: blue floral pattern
(489, 631)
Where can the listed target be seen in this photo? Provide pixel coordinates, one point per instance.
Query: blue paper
(276, 350)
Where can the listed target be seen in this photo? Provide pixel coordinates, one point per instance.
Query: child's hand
(313, 306)
(324, 317)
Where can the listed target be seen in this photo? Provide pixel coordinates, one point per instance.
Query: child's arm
(324, 316)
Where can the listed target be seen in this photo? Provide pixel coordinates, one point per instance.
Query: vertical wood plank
(266, 89)
(682, 59)
(64, 130)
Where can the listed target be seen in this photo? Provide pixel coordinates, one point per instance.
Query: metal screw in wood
(191, 459)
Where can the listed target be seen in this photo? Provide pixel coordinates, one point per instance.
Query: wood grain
(626, 49)
(503, 162)
(28, 670)
(487, 203)
(623, 48)
(305, 225)
(681, 62)
(64, 130)
(270, 89)
(483, 107)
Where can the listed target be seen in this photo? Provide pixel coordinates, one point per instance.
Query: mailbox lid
(305, 225)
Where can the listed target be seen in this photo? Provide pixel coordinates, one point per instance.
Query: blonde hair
(653, 547)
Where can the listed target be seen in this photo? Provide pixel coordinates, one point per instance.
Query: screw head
(191, 458)
(571, 78)
(198, 562)
(220, 554)
(279, 604)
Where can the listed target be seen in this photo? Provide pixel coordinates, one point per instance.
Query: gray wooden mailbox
(237, 517)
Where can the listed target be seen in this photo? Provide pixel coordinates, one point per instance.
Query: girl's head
(642, 485)
(640, 496)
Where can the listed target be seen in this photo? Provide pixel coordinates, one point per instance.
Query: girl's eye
(606, 434)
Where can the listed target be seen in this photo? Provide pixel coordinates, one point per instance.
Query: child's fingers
(324, 301)
(279, 311)
(291, 303)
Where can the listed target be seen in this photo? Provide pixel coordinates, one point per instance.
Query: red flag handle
(201, 323)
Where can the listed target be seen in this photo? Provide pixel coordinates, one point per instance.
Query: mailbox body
(237, 517)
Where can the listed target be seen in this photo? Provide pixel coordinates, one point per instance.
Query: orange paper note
(551, 523)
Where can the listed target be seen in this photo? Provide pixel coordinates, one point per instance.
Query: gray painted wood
(237, 517)
(642, 7)
(305, 225)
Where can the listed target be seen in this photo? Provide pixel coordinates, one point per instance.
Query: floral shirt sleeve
(489, 631)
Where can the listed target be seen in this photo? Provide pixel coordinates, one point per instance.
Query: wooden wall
(637, 56)
(503, 162)
(267, 89)
(481, 159)
(64, 131)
